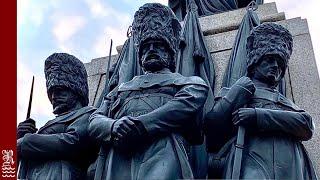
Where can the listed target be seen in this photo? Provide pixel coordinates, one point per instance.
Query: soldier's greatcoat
(60, 150)
(169, 106)
(273, 149)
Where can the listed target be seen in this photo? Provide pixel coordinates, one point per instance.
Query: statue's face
(63, 100)
(268, 70)
(155, 55)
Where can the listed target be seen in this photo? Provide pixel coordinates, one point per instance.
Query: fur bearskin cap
(62, 69)
(269, 39)
(156, 21)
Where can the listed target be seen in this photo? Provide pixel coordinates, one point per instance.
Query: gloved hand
(245, 117)
(124, 131)
(27, 126)
(240, 92)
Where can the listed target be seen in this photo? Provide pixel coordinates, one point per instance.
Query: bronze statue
(274, 125)
(208, 7)
(61, 149)
(146, 126)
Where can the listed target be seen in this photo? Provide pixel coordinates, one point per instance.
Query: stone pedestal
(302, 79)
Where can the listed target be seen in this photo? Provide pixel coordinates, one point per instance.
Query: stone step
(231, 20)
(224, 41)
(99, 65)
(97, 83)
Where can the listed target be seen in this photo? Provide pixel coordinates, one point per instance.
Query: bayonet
(101, 161)
(106, 86)
(30, 99)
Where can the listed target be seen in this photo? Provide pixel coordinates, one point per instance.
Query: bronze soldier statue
(61, 149)
(275, 126)
(146, 125)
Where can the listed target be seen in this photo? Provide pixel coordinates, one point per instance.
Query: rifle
(22, 171)
(252, 6)
(106, 86)
(30, 99)
(238, 153)
(101, 161)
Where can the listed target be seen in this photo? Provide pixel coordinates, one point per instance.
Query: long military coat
(273, 149)
(169, 106)
(60, 150)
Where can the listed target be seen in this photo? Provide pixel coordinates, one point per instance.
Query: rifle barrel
(106, 86)
(30, 99)
(108, 68)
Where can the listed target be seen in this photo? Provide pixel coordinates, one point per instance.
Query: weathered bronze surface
(61, 149)
(146, 125)
(274, 125)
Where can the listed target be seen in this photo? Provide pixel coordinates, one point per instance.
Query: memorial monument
(270, 147)
(219, 30)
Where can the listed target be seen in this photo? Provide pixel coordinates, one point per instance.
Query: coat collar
(68, 117)
(159, 79)
(275, 96)
(267, 94)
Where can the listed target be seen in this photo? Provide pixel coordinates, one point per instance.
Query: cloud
(142, 2)
(64, 30)
(32, 12)
(102, 44)
(116, 30)
(99, 10)
(164, 2)
(67, 26)
(29, 13)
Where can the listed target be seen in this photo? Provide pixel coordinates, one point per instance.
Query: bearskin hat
(269, 39)
(156, 21)
(62, 69)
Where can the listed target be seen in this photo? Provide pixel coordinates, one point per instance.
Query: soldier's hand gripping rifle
(22, 167)
(252, 6)
(101, 161)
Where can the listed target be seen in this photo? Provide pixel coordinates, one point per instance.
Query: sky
(84, 28)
